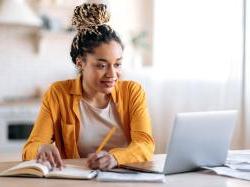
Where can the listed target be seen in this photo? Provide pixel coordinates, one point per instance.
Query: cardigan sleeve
(42, 132)
(142, 144)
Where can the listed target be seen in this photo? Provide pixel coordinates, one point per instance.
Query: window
(198, 39)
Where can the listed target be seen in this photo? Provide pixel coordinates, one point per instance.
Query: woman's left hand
(101, 160)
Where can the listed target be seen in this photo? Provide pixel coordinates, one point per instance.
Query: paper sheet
(130, 177)
(231, 172)
(238, 157)
(237, 165)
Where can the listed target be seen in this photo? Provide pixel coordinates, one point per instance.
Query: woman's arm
(42, 132)
(142, 145)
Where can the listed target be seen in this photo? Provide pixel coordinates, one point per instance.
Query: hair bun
(89, 15)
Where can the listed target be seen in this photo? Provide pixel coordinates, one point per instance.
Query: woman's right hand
(49, 154)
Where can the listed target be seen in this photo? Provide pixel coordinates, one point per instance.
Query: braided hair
(90, 22)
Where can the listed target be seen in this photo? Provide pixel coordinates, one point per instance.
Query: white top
(95, 124)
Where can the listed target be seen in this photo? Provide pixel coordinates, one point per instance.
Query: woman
(77, 114)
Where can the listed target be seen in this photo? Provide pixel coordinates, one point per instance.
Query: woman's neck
(98, 100)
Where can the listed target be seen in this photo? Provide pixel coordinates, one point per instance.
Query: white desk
(192, 179)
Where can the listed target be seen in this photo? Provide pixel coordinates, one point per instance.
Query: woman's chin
(107, 90)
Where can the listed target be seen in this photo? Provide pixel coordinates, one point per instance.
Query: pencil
(106, 139)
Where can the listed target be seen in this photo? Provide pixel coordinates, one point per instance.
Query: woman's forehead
(108, 50)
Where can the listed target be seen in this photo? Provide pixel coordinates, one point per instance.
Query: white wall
(247, 78)
(27, 62)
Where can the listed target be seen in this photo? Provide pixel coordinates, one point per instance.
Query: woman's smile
(108, 83)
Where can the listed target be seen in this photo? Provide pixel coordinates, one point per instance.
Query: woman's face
(102, 68)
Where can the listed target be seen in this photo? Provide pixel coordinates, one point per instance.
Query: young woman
(76, 115)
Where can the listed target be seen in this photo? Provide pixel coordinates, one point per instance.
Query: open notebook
(34, 169)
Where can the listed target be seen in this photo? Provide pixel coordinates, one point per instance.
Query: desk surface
(193, 179)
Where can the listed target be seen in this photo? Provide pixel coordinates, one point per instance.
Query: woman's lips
(108, 84)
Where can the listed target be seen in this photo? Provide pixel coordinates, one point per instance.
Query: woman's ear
(79, 63)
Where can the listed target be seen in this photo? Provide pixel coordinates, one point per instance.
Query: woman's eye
(117, 65)
(101, 66)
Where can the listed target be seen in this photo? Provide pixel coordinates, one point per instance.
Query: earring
(79, 68)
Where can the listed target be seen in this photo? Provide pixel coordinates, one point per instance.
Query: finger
(96, 165)
(104, 162)
(90, 155)
(47, 164)
(90, 158)
(112, 164)
(50, 158)
(38, 157)
(101, 163)
(39, 160)
(94, 157)
(43, 157)
(101, 154)
(57, 158)
(44, 160)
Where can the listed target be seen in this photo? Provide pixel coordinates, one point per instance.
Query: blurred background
(189, 55)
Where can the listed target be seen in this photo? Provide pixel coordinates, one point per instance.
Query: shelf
(53, 37)
(56, 34)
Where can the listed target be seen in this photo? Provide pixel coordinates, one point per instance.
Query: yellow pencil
(106, 139)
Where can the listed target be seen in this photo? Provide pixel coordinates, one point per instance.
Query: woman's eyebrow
(102, 60)
(119, 59)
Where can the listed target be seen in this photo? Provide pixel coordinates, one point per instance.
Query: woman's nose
(111, 72)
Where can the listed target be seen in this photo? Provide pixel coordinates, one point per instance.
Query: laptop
(198, 139)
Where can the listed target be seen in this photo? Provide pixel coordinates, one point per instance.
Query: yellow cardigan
(58, 121)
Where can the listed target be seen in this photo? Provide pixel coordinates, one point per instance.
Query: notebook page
(72, 172)
(27, 167)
